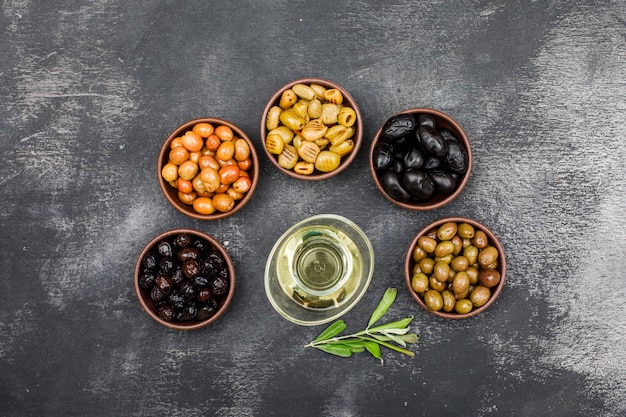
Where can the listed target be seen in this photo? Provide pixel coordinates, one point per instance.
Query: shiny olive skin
(433, 300)
(418, 184)
(444, 182)
(425, 119)
(393, 186)
(456, 157)
(398, 126)
(431, 141)
(384, 155)
(413, 158)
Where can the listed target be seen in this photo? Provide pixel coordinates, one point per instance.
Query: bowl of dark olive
(455, 268)
(184, 279)
(311, 129)
(420, 159)
(208, 168)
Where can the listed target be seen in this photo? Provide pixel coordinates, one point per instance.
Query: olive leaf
(394, 335)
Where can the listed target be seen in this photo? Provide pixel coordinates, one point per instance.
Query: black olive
(184, 254)
(390, 182)
(398, 126)
(156, 294)
(397, 166)
(425, 119)
(448, 135)
(176, 299)
(166, 312)
(163, 283)
(219, 286)
(431, 141)
(201, 281)
(413, 158)
(188, 289)
(457, 158)
(188, 312)
(201, 245)
(177, 275)
(383, 155)
(190, 269)
(166, 265)
(150, 260)
(204, 295)
(444, 182)
(417, 183)
(165, 249)
(206, 311)
(217, 258)
(146, 280)
(432, 163)
(182, 240)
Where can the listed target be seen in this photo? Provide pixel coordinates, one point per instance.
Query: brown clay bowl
(410, 265)
(443, 121)
(357, 138)
(171, 192)
(143, 294)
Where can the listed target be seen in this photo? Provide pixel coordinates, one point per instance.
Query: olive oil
(318, 266)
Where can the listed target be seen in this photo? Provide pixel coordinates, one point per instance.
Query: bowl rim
(493, 240)
(337, 312)
(357, 138)
(462, 136)
(215, 244)
(188, 210)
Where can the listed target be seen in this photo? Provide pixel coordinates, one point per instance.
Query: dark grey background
(89, 91)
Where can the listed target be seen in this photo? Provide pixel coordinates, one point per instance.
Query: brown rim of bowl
(171, 194)
(357, 138)
(443, 121)
(493, 240)
(148, 305)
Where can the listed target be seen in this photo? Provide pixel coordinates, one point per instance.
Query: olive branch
(394, 335)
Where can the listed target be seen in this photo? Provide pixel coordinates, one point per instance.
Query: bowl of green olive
(420, 159)
(311, 129)
(184, 279)
(455, 268)
(208, 168)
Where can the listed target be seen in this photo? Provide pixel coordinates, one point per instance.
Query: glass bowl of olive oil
(319, 269)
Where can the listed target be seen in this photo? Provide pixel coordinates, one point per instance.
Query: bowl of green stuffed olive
(455, 268)
(420, 159)
(184, 279)
(311, 129)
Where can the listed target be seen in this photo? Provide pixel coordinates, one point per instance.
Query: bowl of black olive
(420, 159)
(455, 267)
(184, 279)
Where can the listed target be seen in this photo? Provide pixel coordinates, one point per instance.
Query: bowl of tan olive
(311, 129)
(455, 268)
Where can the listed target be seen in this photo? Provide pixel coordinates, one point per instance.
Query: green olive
(465, 231)
(441, 271)
(437, 285)
(489, 277)
(488, 256)
(472, 272)
(480, 295)
(463, 306)
(444, 248)
(428, 244)
(446, 231)
(480, 239)
(419, 283)
(427, 265)
(448, 301)
(460, 263)
(471, 253)
(460, 283)
(433, 300)
(447, 259)
(418, 253)
(458, 244)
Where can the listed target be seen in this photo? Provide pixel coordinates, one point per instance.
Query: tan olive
(330, 113)
(242, 150)
(436, 284)
(447, 258)
(322, 143)
(308, 151)
(287, 99)
(313, 130)
(315, 109)
(463, 306)
(419, 283)
(433, 300)
(301, 109)
(444, 248)
(303, 91)
(480, 239)
(204, 205)
(288, 157)
(460, 283)
(343, 148)
(226, 151)
(446, 231)
(333, 95)
(347, 116)
(292, 120)
(284, 132)
(169, 172)
(480, 295)
(273, 117)
(441, 271)
(487, 256)
(210, 179)
(465, 231)
(187, 198)
(337, 134)
(236, 195)
(327, 161)
(304, 168)
(187, 170)
(460, 263)
(418, 253)
(178, 155)
(319, 90)
(489, 277)
(223, 202)
(448, 301)
(428, 244)
(427, 265)
(274, 144)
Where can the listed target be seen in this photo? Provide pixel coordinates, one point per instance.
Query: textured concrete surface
(91, 89)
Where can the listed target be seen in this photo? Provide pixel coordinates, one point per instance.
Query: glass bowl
(318, 269)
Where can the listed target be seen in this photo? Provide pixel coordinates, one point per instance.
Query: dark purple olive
(176, 299)
(156, 294)
(166, 312)
(201, 245)
(413, 158)
(166, 265)
(188, 312)
(204, 295)
(182, 240)
(188, 289)
(417, 183)
(432, 163)
(201, 281)
(425, 119)
(219, 286)
(448, 135)
(431, 141)
(190, 269)
(150, 260)
(165, 249)
(398, 126)
(163, 283)
(177, 275)
(457, 158)
(392, 185)
(444, 182)
(206, 311)
(187, 253)
(146, 280)
(215, 256)
(383, 155)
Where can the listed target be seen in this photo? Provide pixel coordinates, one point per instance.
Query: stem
(363, 335)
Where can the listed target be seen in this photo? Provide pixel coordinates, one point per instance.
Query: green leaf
(396, 331)
(336, 349)
(388, 298)
(332, 330)
(374, 349)
(396, 339)
(407, 338)
(400, 324)
(357, 349)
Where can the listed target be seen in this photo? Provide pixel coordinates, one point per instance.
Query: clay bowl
(171, 193)
(494, 290)
(143, 288)
(439, 198)
(356, 138)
